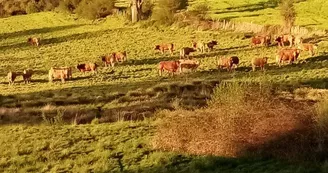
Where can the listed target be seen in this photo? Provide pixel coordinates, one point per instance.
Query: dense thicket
(87, 8)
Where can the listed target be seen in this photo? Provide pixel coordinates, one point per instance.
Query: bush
(32, 7)
(95, 9)
(69, 5)
(241, 119)
(288, 13)
(165, 9)
(200, 10)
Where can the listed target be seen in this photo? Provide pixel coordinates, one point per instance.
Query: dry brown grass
(242, 120)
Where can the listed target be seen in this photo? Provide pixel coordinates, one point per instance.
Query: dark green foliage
(32, 7)
(165, 9)
(93, 9)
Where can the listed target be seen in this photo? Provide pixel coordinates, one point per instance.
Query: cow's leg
(253, 67)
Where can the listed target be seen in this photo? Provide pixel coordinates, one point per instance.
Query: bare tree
(136, 10)
(288, 13)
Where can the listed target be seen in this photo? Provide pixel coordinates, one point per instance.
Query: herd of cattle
(284, 54)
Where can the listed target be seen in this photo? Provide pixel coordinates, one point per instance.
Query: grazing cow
(225, 62)
(285, 38)
(308, 47)
(235, 61)
(188, 64)
(259, 62)
(170, 66)
(261, 40)
(34, 41)
(60, 73)
(210, 45)
(164, 47)
(185, 51)
(289, 55)
(198, 46)
(12, 76)
(27, 76)
(114, 58)
(87, 67)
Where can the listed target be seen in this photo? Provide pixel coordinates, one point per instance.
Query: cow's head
(265, 59)
(80, 67)
(214, 42)
(30, 40)
(157, 47)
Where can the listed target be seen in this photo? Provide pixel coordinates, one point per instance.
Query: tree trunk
(136, 6)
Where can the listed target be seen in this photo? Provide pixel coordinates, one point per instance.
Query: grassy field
(130, 91)
(310, 13)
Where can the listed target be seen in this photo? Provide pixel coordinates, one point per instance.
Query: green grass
(310, 13)
(120, 147)
(67, 42)
(131, 91)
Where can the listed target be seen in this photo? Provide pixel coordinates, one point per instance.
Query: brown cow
(27, 76)
(225, 62)
(87, 67)
(12, 76)
(60, 73)
(164, 47)
(170, 66)
(259, 62)
(185, 51)
(285, 38)
(261, 40)
(199, 46)
(308, 47)
(188, 64)
(210, 45)
(289, 55)
(34, 41)
(235, 61)
(114, 58)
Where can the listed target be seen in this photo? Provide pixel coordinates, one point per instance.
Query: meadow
(46, 126)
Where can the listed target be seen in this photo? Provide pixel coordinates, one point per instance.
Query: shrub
(321, 120)
(241, 119)
(165, 9)
(69, 5)
(200, 10)
(32, 7)
(288, 13)
(95, 9)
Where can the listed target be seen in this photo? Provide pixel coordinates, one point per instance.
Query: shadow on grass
(213, 164)
(250, 7)
(37, 31)
(62, 39)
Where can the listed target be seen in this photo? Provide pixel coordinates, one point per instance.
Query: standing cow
(87, 67)
(287, 55)
(188, 64)
(261, 40)
(34, 41)
(199, 46)
(259, 62)
(27, 76)
(114, 58)
(185, 52)
(164, 47)
(308, 47)
(225, 62)
(282, 39)
(170, 66)
(60, 73)
(12, 76)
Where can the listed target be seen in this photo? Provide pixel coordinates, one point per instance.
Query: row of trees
(160, 10)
